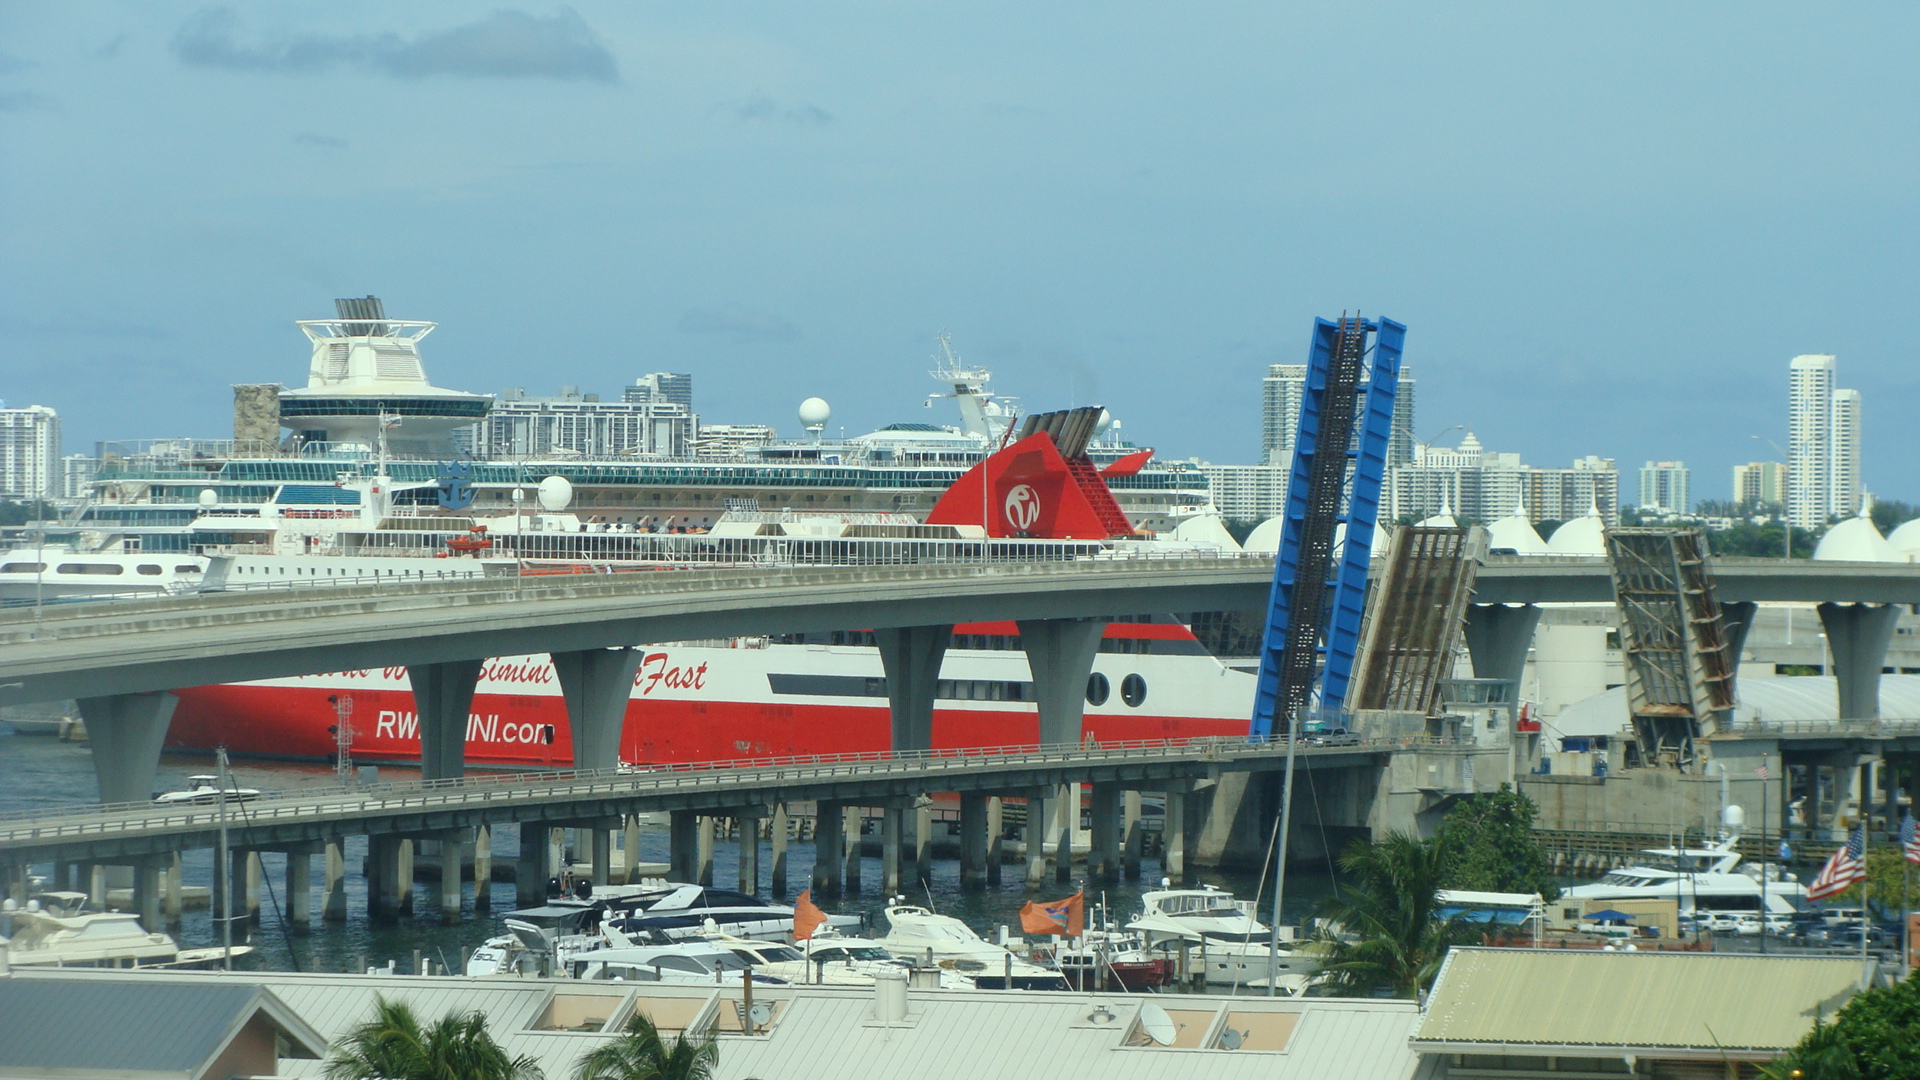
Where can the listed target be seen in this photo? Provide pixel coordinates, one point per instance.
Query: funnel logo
(1022, 507)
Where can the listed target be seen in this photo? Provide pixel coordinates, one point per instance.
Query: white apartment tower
(29, 453)
(1664, 487)
(1823, 444)
(1280, 395)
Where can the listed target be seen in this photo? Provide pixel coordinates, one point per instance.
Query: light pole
(1786, 522)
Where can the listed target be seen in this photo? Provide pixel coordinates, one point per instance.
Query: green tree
(394, 1046)
(641, 1054)
(1890, 514)
(1872, 1038)
(1388, 913)
(1489, 845)
(1887, 874)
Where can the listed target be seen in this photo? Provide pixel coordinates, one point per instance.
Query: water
(45, 772)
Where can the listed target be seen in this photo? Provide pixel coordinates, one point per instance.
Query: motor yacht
(1709, 881)
(946, 942)
(683, 911)
(204, 790)
(65, 935)
(1219, 935)
(685, 962)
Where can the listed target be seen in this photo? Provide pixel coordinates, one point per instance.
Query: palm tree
(393, 1046)
(641, 1054)
(1390, 909)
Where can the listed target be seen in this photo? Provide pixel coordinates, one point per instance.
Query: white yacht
(1220, 935)
(914, 933)
(203, 789)
(1707, 880)
(696, 962)
(60, 933)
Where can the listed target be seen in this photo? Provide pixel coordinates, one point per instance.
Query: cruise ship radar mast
(982, 413)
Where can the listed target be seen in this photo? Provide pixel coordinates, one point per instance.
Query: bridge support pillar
(389, 877)
(778, 885)
(1858, 634)
(996, 835)
(1173, 838)
(1039, 805)
(749, 858)
(1736, 619)
(1132, 835)
(175, 902)
(333, 886)
(890, 849)
(910, 656)
(923, 838)
(125, 733)
(630, 847)
(1065, 823)
(973, 839)
(683, 828)
(596, 684)
(1103, 858)
(453, 859)
(1498, 639)
(1060, 654)
(533, 867)
(600, 839)
(829, 848)
(443, 698)
(146, 891)
(482, 868)
(300, 888)
(703, 851)
(855, 824)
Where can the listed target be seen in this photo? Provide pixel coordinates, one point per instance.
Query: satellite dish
(555, 493)
(1157, 1025)
(760, 1014)
(1230, 1039)
(209, 498)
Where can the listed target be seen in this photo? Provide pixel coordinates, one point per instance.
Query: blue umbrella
(1609, 915)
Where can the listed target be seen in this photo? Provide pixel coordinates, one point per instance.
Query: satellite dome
(815, 412)
(555, 493)
(1101, 425)
(209, 498)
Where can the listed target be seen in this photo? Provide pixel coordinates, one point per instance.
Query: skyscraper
(1823, 443)
(29, 452)
(1664, 487)
(1760, 483)
(1280, 395)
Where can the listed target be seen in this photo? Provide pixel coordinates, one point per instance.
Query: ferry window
(186, 568)
(150, 569)
(108, 569)
(23, 568)
(1133, 690)
(1097, 689)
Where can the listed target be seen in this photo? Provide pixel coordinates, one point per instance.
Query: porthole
(1097, 689)
(1133, 690)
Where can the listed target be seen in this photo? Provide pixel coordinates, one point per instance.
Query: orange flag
(1066, 918)
(807, 917)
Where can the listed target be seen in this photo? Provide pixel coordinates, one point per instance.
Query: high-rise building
(1664, 487)
(661, 386)
(1760, 483)
(1476, 484)
(1823, 443)
(76, 475)
(29, 452)
(1280, 396)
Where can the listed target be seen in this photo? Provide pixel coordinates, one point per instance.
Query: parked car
(1333, 737)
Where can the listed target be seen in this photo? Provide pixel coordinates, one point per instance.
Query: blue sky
(1607, 226)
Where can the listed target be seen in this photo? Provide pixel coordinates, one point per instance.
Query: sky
(1607, 226)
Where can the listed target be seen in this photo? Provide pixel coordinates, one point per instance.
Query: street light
(1786, 522)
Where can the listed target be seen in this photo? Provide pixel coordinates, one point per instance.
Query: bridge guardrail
(103, 819)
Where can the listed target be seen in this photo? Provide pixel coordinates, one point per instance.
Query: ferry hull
(692, 704)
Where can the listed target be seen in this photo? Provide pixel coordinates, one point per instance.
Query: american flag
(1909, 840)
(1760, 771)
(1847, 866)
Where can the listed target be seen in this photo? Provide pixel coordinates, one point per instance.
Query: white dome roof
(1906, 538)
(1205, 529)
(1382, 539)
(1581, 536)
(1515, 533)
(1856, 540)
(1265, 537)
(1440, 521)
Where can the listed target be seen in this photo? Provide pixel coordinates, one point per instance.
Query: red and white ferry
(798, 694)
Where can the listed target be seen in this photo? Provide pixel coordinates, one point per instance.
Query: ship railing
(637, 781)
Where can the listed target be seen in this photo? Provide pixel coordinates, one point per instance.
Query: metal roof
(1552, 1001)
(830, 1031)
(131, 1026)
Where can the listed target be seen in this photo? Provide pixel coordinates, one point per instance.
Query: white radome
(555, 493)
(209, 498)
(815, 412)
